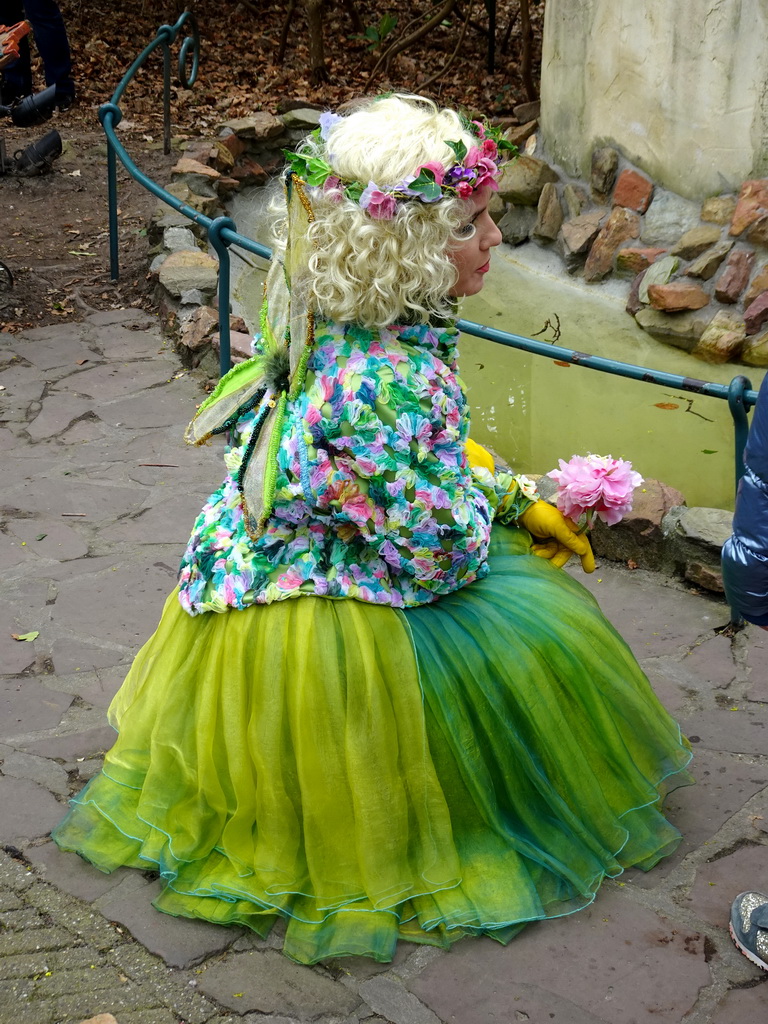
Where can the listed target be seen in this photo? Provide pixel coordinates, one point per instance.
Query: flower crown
(475, 168)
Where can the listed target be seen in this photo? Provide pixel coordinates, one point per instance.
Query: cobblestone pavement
(98, 496)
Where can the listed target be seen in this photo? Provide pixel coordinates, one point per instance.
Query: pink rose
(465, 190)
(487, 172)
(490, 148)
(437, 169)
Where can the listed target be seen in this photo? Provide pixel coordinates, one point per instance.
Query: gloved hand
(560, 535)
(477, 456)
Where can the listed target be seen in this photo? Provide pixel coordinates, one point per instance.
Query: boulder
(522, 180)
(758, 232)
(722, 339)
(198, 329)
(677, 297)
(622, 224)
(248, 172)
(735, 276)
(695, 540)
(633, 190)
(519, 134)
(496, 207)
(301, 117)
(176, 239)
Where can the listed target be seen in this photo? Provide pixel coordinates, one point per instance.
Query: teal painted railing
(222, 234)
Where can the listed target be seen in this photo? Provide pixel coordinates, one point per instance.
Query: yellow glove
(560, 536)
(478, 457)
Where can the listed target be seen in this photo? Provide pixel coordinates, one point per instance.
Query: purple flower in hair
(327, 120)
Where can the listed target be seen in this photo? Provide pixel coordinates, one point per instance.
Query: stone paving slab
(92, 421)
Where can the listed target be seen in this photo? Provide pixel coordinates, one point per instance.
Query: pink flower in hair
(487, 172)
(490, 148)
(380, 205)
(472, 157)
(465, 190)
(595, 485)
(480, 129)
(437, 169)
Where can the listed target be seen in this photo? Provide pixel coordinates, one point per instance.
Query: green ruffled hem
(370, 775)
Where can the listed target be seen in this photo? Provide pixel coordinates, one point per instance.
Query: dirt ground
(53, 228)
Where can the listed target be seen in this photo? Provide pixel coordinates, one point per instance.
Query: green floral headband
(474, 169)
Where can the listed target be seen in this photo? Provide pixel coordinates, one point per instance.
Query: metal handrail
(222, 234)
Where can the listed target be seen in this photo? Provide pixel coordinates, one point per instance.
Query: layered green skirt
(369, 774)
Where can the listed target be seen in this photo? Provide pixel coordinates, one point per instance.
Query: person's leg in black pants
(51, 40)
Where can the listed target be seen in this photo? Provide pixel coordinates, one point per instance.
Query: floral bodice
(375, 499)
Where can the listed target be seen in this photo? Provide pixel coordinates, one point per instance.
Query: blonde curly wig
(380, 272)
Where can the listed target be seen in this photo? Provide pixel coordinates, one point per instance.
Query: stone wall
(679, 86)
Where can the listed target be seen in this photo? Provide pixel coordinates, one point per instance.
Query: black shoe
(64, 100)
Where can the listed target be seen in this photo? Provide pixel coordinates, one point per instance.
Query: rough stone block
(680, 329)
(523, 179)
(718, 209)
(249, 172)
(722, 339)
(677, 297)
(184, 270)
(517, 224)
(633, 190)
(757, 285)
(755, 350)
(752, 205)
(756, 314)
(259, 125)
(733, 280)
(622, 224)
(695, 241)
(580, 232)
(550, 214)
(639, 535)
(575, 200)
(668, 217)
(605, 162)
(635, 261)
(660, 272)
(708, 263)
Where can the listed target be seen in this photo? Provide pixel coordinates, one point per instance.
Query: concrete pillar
(680, 87)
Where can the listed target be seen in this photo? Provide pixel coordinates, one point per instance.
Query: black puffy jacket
(745, 554)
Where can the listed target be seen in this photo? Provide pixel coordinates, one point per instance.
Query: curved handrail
(222, 234)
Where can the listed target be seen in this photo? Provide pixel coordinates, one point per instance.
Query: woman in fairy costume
(369, 709)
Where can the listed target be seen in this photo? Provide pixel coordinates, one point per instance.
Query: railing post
(221, 246)
(111, 112)
(166, 99)
(736, 404)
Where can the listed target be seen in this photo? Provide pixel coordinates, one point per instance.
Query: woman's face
(472, 257)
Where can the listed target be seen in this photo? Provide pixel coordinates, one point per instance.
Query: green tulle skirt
(369, 774)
